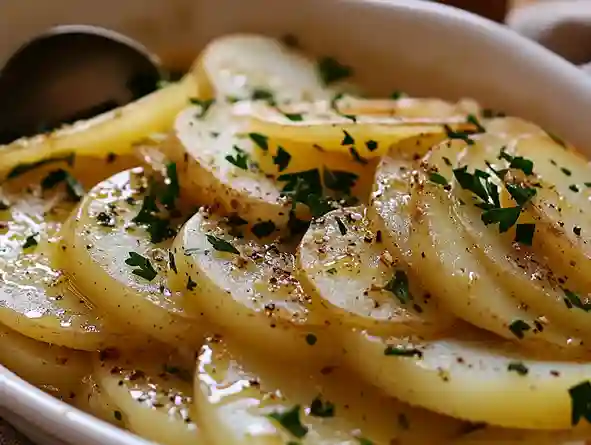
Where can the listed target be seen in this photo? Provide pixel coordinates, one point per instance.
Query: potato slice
(201, 146)
(114, 262)
(343, 263)
(354, 127)
(239, 399)
(115, 131)
(153, 398)
(488, 435)
(245, 66)
(36, 298)
(481, 379)
(246, 287)
(521, 271)
(58, 371)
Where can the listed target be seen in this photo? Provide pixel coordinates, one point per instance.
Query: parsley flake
(260, 140)
(222, 245)
(371, 145)
(398, 285)
(524, 234)
(263, 229)
(364, 441)
(341, 225)
(339, 181)
(290, 420)
(294, 117)
(262, 94)
(319, 408)
(472, 119)
(30, 241)
(335, 108)
(505, 217)
(580, 396)
(311, 339)
(566, 171)
(331, 70)
(438, 179)
(461, 135)
(518, 328)
(118, 416)
(395, 95)
(575, 301)
(401, 351)
(518, 162)
(518, 367)
(204, 104)
(281, 159)
(347, 139)
(240, 160)
(144, 269)
(172, 189)
(172, 262)
(191, 285)
(356, 156)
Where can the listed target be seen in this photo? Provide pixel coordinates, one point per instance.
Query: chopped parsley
(263, 229)
(347, 139)
(294, 117)
(30, 241)
(144, 269)
(331, 271)
(398, 285)
(356, 156)
(575, 301)
(331, 70)
(28, 166)
(158, 228)
(505, 217)
(172, 262)
(290, 420)
(319, 408)
(580, 396)
(517, 162)
(518, 367)
(401, 351)
(306, 187)
(438, 179)
(395, 95)
(339, 181)
(364, 441)
(191, 285)
(281, 159)
(222, 245)
(204, 104)
(472, 119)
(461, 135)
(311, 339)
(55, 177)
(172, 189)
(341, 225)
(524, 234)
(371, 145)
(566, 171)
(518, 328)
(574, 188)
(118, 416)
(262, 94)
(260, 140)
(240, 160)
(333, 105)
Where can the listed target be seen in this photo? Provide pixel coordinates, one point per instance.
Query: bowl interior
(416, 46)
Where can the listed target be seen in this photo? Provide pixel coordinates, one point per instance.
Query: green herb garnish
(371, 145)
(566, 171)
(580, 396)
(204, 104)
(461, 135)
(144, 269)
(364, 441)
(504, 217)
(438, 179)
(290, 420)
(172, 262)
(357, 156)
(262, 94)
(339, 181)
(222, 245)
(172, 189)
(518, 328)
(118, 416)
(263, 229)
(472, 119)
(524, 234)
(240, 160)
(158, 228)
(281, 159)
(191, 285)
(335, 108)
(331, 70)
(30, 241)
(294, 117)
(518, 367)
(398, 285)
(306, 188)
(402, 351)
(28, 166)
(341, 225)
(319, 408)
(395, 95)
(517, 162)
(575, 301)
(260, 140)
(347, 139)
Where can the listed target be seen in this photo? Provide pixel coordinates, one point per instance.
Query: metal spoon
(69, 73)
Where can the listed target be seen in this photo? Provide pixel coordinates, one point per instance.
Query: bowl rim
(71, 424)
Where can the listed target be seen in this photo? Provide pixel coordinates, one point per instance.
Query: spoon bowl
(69, 73)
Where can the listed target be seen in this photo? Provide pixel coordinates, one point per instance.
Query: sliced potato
(153, 398)
(522, 272)
(343, 263)
(478, 378)
(36, 298)
(246, 287)
(246, 66)
(114, 262)
(239, 399)
(488, 435)
(58, 371)
(372, 127)
(115, 131)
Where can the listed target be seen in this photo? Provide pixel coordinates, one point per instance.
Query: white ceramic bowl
(416, 46)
